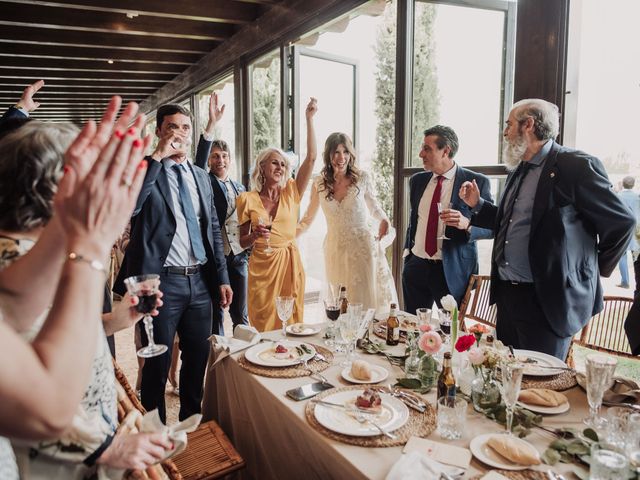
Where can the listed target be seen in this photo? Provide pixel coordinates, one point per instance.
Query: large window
(602, 96)
(266, 107)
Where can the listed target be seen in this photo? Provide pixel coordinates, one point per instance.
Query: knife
(339, 405)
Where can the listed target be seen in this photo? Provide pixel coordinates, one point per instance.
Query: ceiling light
(132, 14)
(110, 62)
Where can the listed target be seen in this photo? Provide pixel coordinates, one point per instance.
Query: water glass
(424, 316)
(284, 307)
(355, 310)
(511, 380)
(349, 325)
(618, 427)
(452, 414)
(607, 464)
(600, 370)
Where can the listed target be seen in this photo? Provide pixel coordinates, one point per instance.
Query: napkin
(417, 466)
(622, 390)
(364, 326)
(244, 336)
(493, 475)
(542, 397)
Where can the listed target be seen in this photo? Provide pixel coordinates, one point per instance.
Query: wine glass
(145, 287)
(267, 224)
(284, 307)
(424, 316)
(599, 370)
(445, 324)
(441, 208)
(349, 325)
(511, 380)
(332, 310)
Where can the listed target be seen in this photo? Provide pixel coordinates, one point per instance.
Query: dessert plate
(378, 374)
(486, 454)
(303, 329)
(537, 364)
(563, 407)
(264, 354)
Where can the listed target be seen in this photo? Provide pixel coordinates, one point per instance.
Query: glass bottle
(393, 326)
(342, 300)
(446, 380)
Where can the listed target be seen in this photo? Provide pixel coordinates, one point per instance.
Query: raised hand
(453, 218)
(470, 193)
(312, 108)
(26, 100)
(215, 112)
(99, 189)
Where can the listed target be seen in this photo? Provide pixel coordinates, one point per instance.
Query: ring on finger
(126, 182)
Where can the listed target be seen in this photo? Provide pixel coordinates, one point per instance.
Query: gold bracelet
(95, 264)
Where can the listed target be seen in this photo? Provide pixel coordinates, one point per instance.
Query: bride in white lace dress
(353, 254)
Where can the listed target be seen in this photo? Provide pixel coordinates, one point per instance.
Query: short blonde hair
(257, 177)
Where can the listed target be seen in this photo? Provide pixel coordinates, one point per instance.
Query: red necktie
(431, 240)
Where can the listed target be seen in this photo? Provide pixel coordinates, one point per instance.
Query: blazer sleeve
(218, 248)
(601, 207)
(153, 170)
(202, 152)
(479, 233)
(486, 217)
(407, 235)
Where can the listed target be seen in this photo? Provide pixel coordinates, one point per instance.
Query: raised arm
(306, 169)
(92, 211)
(310, 214)
(204, 145)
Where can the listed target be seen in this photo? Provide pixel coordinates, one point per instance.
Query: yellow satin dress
(279, 273)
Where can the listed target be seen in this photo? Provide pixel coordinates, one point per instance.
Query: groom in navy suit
(433, 266)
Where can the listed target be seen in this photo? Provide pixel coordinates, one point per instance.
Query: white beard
(513, 151)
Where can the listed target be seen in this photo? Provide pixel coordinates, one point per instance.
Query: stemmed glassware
(441, 208)
(424, 316)
(332, 310)
(349, 325)
(444, 318)
(284, 307)
(267, 224)
(145, 287)
(512, 372)
(599, 370)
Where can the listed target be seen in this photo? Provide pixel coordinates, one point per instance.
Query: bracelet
(95, 264)
(93, 457)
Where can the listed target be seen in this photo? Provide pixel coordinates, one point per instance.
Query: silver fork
(361, 418)
(320, 357)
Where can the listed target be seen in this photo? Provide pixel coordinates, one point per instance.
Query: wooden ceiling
(88, 50)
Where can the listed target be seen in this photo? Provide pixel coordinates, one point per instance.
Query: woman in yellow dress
(274, 201)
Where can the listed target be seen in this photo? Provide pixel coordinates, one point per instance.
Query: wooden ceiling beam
(66, 37)
(63, 89)
(35, 50)
(218, 11)
(51, 18)
(27, 72)
(82, 65)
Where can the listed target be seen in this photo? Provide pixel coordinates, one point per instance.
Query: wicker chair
(605, 331)
(475, 304)
(209, 453)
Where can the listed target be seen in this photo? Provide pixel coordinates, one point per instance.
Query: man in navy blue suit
(175, 233)
(225, 192)
(434, 266)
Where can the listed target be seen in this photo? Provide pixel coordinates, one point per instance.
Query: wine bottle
(393, 326)
(446, 380)
(342, 300)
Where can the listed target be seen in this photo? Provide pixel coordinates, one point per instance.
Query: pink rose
(430, 342)
(426, 328)
(476, 356)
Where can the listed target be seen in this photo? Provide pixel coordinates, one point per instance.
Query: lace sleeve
(312, 210)
(370, 198)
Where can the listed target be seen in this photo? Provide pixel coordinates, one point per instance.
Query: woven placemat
(289, 372)
(560, 382)
(418, 425)
(517, 475)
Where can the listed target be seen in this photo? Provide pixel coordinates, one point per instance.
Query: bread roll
(361, 370)
(542, 397)
(514, 449)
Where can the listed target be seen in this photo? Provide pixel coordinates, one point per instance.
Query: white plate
(563, 407)
(402, 317)
(306, 329)
(394, 414)
(486, 454)
(262, 354)
(378, 374)
(541, 360)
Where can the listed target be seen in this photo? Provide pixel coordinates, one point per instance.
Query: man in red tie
(438, 260)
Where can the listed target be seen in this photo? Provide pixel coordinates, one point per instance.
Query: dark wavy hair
(327, 173)
(32, 158)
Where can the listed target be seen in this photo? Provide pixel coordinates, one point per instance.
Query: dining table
(273, 435)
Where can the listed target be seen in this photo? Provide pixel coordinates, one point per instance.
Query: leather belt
(516, 284)
(190, 270)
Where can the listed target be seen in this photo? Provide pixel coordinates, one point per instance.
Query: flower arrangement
(430, 342)
(478, 330)
(465, 342)
(450, 305)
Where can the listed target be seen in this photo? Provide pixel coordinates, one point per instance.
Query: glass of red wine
(445, 324)
(145, 287)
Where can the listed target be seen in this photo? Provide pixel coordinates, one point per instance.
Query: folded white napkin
(364, 326)
(244, 336)
(177, 433)
(417, 466)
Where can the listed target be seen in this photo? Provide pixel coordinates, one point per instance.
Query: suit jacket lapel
(201, 183)
(220, 191)
(545, 185)
(458, 180)
(165, 190)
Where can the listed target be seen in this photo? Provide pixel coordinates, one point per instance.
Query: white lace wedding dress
(353, 257)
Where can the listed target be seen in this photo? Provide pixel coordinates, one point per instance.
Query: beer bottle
(342, 300)
(393, 326)
(446, 380)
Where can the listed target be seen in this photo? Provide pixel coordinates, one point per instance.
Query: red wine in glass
(146, 302)
(332, 312)
(445, 326)
(145, 287)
